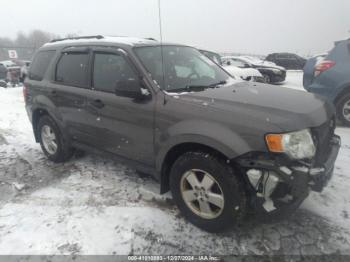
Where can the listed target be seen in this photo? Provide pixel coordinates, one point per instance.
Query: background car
(331, 78)
(236, 69)
(287, 60)
(3, 72)
(309, 68)
(270, 72)
(12, 72)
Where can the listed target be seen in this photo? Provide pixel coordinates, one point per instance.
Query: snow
(111, 39)
(93, 205)
(242, 73)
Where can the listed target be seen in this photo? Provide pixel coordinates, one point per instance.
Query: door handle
(54, 93)
(97, 103)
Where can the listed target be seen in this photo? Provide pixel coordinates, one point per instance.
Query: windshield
(184, 67)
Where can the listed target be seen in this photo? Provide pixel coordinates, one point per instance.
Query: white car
(248, 74)
(270, 71)
(237, 69)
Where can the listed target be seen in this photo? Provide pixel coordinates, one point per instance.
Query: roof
(130, 41)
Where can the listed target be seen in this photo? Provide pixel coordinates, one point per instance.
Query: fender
(343, 88)
(214, 135)
(42, 102)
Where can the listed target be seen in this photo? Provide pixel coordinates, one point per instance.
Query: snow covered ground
(93, 205)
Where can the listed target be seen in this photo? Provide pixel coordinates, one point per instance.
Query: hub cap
(202, 193)
(266, 78)
(346, 110)
(48, 138)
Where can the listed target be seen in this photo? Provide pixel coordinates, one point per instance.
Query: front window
(184, 67)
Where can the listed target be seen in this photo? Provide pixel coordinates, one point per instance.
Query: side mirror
(130, 88)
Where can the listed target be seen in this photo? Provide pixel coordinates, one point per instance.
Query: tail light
(323, 66)
(25, 92)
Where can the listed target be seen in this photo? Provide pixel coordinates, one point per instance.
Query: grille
(323, 135)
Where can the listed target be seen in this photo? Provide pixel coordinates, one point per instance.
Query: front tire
(267, 79)
(343, 109)
(207, 191)
(51, 140)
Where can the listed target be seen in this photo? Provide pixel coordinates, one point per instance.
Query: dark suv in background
(224, 148)
(287, 60)
(329, 76)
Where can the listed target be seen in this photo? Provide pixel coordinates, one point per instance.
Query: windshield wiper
(208, 86)
(198, 88)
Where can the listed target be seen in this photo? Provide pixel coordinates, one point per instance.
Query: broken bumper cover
(279, 182)
(320, 176)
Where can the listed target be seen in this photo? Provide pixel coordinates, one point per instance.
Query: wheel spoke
(52, 135)
(189, 195)
(46, 132)
(204, 207)
(53, 146)
(207, 182)
(193, 180)
(216, 199)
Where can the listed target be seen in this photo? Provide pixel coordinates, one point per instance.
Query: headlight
(297, 145)
(276, 71)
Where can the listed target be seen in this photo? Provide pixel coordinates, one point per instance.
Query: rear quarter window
(40, 64)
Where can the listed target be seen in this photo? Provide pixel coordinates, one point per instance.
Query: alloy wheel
(48, 138)
(346, 110)
(202, 193)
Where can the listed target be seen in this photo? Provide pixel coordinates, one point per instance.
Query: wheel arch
(166, 161)
(39, 112)
(342, 91)
(36, 115)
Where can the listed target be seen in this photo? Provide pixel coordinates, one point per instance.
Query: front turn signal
(274, 143)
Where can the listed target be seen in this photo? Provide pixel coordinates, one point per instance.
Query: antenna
(161, 42)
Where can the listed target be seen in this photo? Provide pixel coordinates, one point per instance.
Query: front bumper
(320, 176)
(278, 78)
(279, 182)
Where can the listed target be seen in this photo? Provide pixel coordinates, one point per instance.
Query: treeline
(33, 39)
(26, 43)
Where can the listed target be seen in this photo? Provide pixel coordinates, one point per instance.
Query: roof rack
(76, 38)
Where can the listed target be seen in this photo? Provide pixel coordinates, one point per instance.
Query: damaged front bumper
(278, 183)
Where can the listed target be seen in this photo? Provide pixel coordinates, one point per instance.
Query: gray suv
(224, 148)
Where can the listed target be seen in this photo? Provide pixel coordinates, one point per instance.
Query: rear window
(40, 65)
(72, 69)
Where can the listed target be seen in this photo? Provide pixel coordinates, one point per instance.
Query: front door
(121, 125)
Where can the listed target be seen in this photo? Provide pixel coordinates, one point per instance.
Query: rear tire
(52, 142)
(218, 184)
(343, 109)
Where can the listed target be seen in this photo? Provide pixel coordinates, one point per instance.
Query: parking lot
(93, 205)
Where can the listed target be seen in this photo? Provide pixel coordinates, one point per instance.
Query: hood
(242, 72)
(288, 109)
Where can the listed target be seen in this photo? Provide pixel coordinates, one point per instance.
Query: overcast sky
(249, 26)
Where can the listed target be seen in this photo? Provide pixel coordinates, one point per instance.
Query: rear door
(280, 60)
(70, 82)
(120, 125)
